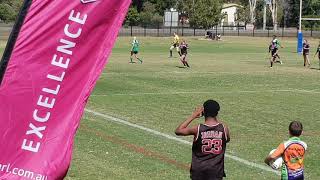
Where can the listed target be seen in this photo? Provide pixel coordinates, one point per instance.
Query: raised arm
(183, 129)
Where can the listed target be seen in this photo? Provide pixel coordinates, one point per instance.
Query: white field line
(211, 92)
(121, 121)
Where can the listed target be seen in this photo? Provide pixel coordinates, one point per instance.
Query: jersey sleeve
(279, 151)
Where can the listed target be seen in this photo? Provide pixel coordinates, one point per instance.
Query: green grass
(257, 103)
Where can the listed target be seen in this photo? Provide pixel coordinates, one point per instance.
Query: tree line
(9, 10)
(284, 13)
(201, 13)
(205, 13)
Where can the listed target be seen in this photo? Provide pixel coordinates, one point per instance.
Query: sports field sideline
(132, 103)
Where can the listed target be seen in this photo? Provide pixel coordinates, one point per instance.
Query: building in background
(230, 11)
(171, 18)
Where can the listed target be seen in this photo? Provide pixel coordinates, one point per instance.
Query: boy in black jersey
(209, 143)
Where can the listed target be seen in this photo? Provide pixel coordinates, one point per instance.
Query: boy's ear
(302, 132)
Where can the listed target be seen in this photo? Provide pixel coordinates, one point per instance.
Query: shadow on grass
(315, 69)
(181, 67)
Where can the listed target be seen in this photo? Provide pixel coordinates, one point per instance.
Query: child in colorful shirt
(292, 153)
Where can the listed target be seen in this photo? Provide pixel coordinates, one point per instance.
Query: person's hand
(197, 112)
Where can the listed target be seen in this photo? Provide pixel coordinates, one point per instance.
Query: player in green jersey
(135, 50)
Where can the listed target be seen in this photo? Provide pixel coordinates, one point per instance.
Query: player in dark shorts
(209, 145)
(318, 52)
(184, 51)
(274, 49)
(135, 51)
(305, 52)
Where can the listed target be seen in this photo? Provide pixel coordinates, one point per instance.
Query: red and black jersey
(306, 48)
(208, 151)
(184, 48)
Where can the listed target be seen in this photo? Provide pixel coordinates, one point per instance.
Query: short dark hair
(211, 108)
(295, 128)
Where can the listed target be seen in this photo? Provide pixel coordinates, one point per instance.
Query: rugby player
(175, 44)
(305, 52)
(135, 50)
(184, 51)
(274, 49)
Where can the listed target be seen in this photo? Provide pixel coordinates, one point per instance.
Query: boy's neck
(211, 120)
(291, 136)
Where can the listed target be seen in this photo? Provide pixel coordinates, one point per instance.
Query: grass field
(257, 103)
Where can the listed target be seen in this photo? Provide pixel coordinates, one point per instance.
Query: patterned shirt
(292, 153)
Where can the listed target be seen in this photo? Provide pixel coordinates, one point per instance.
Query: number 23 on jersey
(212, 146)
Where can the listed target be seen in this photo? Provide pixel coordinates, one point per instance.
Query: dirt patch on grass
(136, 148)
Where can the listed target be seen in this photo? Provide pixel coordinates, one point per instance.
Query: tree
(311, 8)
(9, 9)
(138, 4)
(132, 16)
(243, 14)
(205, 13)
(7, 14)
(162, 5)
(252, 7)
(273, 6)
(149, 15)
(185, 6)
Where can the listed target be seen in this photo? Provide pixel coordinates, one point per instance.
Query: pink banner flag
(55, 54)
